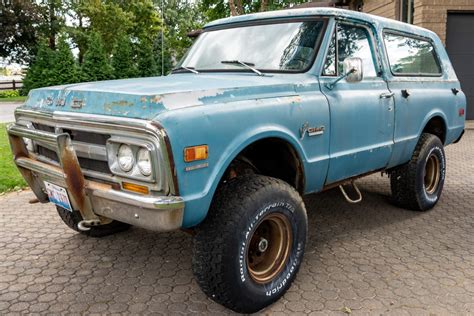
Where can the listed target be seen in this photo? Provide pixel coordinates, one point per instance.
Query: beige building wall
(385, 8)
(433, 14)
(430, 14)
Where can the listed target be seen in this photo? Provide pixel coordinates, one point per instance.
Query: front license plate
(58, 195)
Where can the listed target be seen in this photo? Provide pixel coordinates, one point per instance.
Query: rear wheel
(248, 250)
(72, 219)
(418, 184)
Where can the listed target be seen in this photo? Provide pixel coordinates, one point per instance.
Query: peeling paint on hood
(145, 98)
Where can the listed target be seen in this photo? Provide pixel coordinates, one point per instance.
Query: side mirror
(353, 72)
(353, 68)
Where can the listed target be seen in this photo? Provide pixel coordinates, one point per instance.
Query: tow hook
(85, 225)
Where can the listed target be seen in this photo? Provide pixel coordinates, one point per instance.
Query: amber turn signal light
(194, 153)
(135, 188)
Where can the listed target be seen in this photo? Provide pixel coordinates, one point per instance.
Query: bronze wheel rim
(432, 174)
(269, 248)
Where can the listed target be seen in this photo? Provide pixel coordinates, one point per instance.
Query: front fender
(197, 203)
(232, 151)
(227, 129)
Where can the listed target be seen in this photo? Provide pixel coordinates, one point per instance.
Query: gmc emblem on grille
(77, 104)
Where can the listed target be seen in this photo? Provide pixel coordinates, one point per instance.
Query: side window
(352, 41)
(330, 64)
(411, 56)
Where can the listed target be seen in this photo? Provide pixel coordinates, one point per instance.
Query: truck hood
(145, 98)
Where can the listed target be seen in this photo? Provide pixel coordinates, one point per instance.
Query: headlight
(144, 161)
(125, 158)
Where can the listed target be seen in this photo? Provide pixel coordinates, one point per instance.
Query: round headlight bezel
(144, 151)
(125, 166)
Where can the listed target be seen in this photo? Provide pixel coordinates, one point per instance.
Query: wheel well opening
(436, 127)
(272, 157)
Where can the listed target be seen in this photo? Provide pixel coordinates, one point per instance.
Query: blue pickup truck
(263, 109)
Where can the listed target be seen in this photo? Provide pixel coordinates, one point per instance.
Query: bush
(9, 94)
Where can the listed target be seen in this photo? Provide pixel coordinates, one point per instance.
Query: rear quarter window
(410, 56)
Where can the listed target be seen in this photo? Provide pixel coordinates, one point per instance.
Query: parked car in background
(263, 109)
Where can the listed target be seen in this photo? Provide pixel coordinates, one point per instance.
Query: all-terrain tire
(225, 244)
(71, 219)
(410, 186)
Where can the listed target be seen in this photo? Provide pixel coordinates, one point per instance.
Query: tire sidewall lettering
(280, 283)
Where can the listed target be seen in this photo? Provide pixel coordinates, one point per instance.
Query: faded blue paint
(229, 111)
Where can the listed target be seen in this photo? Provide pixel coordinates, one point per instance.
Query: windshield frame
(317, 45)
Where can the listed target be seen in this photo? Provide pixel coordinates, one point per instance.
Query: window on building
(411, 56)
(406, 11)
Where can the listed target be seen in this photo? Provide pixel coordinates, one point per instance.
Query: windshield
(288, 46)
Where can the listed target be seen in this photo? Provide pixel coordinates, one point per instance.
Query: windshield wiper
(243, 64)
(190, 69)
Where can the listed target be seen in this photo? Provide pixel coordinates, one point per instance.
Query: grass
(13, 99)
(10, 178)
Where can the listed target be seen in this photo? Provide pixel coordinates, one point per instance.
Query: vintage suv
(263, 109)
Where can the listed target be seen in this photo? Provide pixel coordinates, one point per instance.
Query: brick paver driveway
(370, 258)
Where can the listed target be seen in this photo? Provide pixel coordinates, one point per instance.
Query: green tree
(53, 20)
(123, 60)
(146, 60)
(64, 69)
(106, 18)
(18, 30)
(96, 65)
(164, 60)
(38, 73)
(217, 9)
(179, 18)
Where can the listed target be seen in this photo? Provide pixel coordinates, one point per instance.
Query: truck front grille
(85, 163)
(90, 148)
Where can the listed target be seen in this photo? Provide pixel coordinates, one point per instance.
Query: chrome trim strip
(83, 150)
(45, 137)
(158, 202)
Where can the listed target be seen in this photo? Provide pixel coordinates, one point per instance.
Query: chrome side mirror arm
(330, 85)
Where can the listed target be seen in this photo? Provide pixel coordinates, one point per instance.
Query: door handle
(387, 95)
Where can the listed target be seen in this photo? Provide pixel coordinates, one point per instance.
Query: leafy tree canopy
(19, 33)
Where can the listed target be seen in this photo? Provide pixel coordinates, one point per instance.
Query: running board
(346, 196)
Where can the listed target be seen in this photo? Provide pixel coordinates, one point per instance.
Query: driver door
(362, 113)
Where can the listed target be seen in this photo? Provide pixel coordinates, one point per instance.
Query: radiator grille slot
(78, 136)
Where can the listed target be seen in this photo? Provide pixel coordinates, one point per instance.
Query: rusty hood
(145, 98)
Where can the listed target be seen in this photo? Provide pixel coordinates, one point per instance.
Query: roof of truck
(324, 11)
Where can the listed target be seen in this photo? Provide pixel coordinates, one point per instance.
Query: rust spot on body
(156, 99)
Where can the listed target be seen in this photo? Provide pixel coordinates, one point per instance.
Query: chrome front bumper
(95, 201)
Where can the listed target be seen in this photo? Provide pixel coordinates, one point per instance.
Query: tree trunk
(52, 26)
(240, 9)
(80, 56)
(233, 9)
(263, 5)
(236, 7)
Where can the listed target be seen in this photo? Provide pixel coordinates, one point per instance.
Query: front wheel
(418, 184)
(248, 250)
